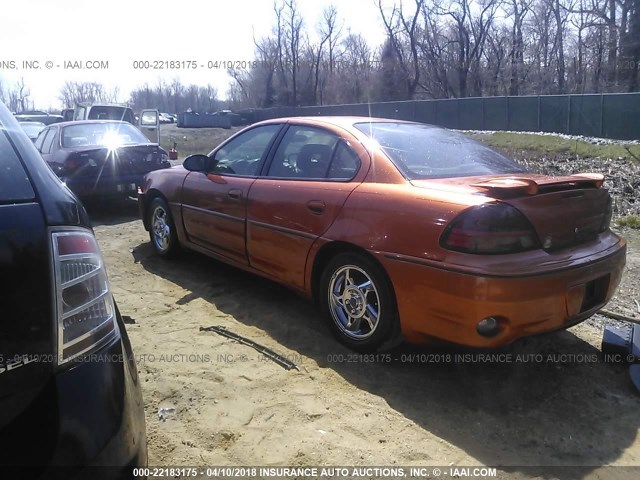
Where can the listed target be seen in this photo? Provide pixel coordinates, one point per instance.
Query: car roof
(32, 112)
(90, 104)
(88, 122)
(339, 121)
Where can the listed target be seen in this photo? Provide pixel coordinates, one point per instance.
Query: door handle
(316, 206)
(235, 194)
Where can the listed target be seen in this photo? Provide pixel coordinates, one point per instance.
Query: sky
(53, 36)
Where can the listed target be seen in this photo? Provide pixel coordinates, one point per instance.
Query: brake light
(490, 229)
(72, 164)
(85, 311)
(606, 221)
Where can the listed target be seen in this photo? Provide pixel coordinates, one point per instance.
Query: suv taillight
(490, 229)
(85, 311)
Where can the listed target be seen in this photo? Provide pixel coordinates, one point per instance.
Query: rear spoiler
(516, 185)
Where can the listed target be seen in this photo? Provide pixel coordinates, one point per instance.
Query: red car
(397, 229)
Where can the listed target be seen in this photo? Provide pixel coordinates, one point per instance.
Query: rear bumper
(142, 209)
(120, 185)
(448, 304)
(89, 415)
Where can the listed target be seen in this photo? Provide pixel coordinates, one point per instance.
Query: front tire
(357, 301)
(162, 230)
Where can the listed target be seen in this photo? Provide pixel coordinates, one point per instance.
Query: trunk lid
(564, 211)
(129, 159)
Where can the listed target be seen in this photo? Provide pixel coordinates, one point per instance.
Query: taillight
(606, 221)
(72, 164)
(490, 229)
(85, 311)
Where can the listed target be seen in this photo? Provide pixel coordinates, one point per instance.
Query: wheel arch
(330, 250)
(150, 195)
(327, 252)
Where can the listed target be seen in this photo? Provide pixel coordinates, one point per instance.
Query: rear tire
(162, 230)
(357, 300)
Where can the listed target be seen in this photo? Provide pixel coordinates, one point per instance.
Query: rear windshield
(424, 151)
(14, 183)
(109, 113)
(101, 134)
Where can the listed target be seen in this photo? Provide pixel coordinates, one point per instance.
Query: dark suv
(69, 388)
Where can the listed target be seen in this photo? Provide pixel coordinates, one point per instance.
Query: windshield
(32, 129)
(102, 134)
(424, 151)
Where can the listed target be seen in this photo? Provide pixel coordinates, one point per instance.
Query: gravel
(592, 140)
(622, 176)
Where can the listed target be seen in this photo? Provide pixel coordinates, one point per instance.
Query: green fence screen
(609, 115)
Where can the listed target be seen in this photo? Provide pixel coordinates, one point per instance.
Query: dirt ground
(545, 401)
(235, 407)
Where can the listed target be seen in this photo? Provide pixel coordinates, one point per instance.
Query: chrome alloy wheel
(161, 229)
(354, 302)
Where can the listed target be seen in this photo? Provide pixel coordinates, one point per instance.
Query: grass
(193, 140)
(203, 140)
(550, 144)
(631, 221)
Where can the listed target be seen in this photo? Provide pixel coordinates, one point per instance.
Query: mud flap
(623, 345)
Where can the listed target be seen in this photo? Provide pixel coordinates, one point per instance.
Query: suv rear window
(110, 113)
(14, 182)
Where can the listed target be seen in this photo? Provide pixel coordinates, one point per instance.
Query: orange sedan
(396, 229)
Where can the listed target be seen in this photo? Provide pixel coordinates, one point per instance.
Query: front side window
(424, 151)
(243, 154)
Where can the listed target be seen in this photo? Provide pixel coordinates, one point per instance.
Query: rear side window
(79, 113)
(305, 152)
(313, 153)
(345, 163)
(48, 141)
(39, 141)
(14, 183)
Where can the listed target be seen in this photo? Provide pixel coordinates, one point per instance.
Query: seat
(313, 160)
(77, 141)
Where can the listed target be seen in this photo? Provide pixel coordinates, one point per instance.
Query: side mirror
(196, 163)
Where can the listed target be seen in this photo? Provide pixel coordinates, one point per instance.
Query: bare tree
(73, 93)
(402, 31)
